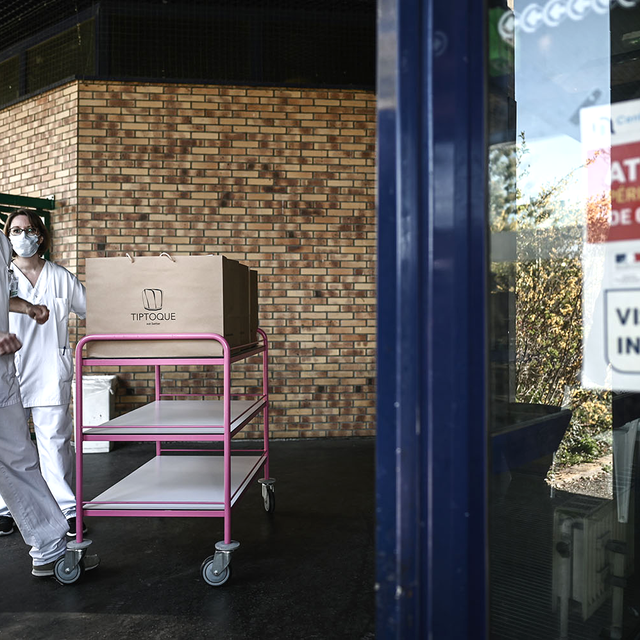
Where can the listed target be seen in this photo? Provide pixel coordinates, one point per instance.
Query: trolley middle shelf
(177, 420)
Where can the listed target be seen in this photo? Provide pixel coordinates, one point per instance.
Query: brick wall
(39, 157)
(282, 180)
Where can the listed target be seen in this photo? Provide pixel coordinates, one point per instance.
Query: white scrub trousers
(27, 495)
(53, 428)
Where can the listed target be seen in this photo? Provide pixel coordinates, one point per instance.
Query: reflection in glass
(564, 318)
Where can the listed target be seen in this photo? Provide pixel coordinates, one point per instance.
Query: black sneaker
(6, 525)
(72, 527)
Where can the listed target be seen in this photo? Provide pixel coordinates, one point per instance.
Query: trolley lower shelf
(187, 484)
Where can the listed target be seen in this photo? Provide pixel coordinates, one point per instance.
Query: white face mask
(25, 246)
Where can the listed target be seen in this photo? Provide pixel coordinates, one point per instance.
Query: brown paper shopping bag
(169, 294)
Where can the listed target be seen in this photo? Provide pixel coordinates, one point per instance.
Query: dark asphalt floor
(304, 572)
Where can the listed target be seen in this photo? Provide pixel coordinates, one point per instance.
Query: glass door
(564, 318)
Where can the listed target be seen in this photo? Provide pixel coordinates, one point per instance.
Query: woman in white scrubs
(45, 364)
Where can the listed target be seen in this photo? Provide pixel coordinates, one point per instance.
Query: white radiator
(591, 551)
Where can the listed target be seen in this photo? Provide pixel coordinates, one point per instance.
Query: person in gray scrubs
(32, 505)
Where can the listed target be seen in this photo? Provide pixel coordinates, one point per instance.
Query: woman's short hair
(36, 222)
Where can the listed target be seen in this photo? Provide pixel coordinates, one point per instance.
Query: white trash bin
(98, 402)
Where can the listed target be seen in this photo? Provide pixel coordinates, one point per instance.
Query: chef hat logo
(152, 299)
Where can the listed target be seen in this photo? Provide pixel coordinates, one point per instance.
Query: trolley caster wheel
(68, 576)
(209, 575)
(269, 498)
(268, 494)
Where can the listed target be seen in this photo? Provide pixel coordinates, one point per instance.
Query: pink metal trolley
(197, 483)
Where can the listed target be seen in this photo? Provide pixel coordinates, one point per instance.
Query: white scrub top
(45, 362)
(9, 388)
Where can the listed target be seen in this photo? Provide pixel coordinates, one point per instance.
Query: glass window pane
(564, 304)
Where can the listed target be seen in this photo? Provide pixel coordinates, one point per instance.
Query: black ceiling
(22, 19)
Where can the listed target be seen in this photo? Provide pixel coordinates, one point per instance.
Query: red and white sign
(611, 254)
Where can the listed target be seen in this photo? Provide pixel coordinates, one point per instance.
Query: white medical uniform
(28, 497)
(45, 371)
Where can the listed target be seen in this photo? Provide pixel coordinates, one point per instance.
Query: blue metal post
(431, 447)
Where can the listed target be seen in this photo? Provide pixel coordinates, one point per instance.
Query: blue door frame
(431, 461)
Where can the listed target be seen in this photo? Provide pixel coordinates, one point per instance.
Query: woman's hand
(38, 312)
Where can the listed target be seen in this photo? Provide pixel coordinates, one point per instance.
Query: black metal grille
(68, 54)
(276, 42)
